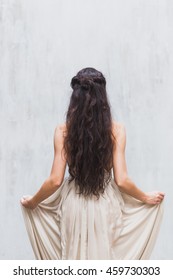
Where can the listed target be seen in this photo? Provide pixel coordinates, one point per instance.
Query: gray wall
(42, 45)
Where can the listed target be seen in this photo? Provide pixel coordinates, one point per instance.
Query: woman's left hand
(28, 202)
(154, 197)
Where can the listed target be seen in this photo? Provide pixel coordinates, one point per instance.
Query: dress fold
(69, 226)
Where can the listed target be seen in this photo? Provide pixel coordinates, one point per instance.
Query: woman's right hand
(27, 202)
(155, 197)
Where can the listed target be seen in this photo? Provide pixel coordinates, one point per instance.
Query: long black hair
(88, 142)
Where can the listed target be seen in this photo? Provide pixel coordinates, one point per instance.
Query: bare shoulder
(61, 128)
(118, 129)
(119, 135)
(60, 132)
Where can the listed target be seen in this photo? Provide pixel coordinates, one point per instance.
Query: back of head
(88, 143)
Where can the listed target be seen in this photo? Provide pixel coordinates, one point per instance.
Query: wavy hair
(88, 141)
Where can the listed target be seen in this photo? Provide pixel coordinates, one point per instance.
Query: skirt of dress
(116, 226)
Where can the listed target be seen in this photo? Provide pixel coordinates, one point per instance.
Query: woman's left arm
(53, 182)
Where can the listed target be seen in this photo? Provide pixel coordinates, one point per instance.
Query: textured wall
(43, 43)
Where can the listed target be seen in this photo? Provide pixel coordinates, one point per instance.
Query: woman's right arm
(54, 181)
(121, 177)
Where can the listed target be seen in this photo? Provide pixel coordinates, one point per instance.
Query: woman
(91, 215)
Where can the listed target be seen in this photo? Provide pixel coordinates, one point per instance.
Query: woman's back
(86, 216)
(116, 130)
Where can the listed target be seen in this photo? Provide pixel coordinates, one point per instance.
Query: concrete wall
(42, 45)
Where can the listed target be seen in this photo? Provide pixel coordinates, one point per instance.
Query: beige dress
(115, 226)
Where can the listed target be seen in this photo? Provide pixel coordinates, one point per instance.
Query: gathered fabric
(114, 226)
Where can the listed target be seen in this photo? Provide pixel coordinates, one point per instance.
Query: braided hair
(88, 142)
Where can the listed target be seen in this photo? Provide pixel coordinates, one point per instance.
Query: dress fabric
(69, 226)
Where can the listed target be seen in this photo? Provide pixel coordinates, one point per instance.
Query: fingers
(156, 197)
(159, 197)
(162, 193)
(24, 200)
(27, 202)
